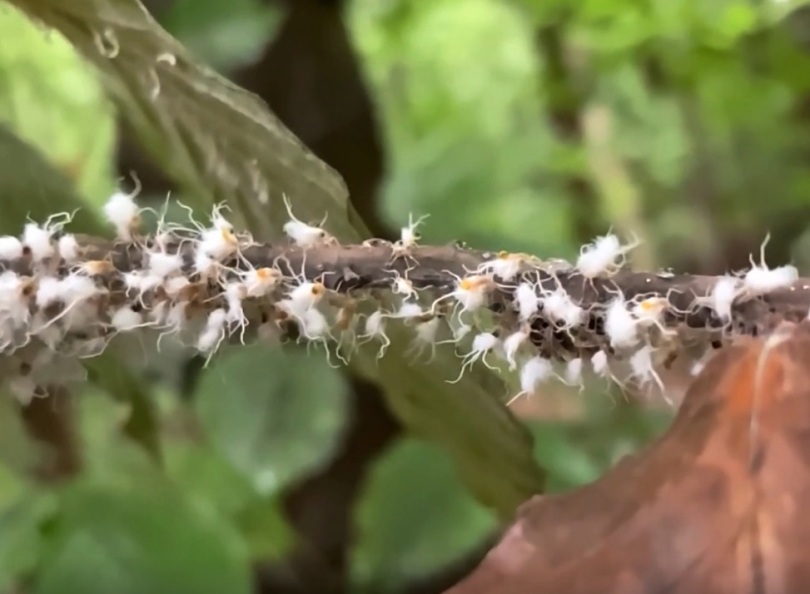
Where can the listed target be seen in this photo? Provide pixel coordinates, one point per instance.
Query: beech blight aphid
(125, 319)
(533, 372)
(641, 363)
(408, 310)
(68, 248)
(38, 241)
(559, 307)
(123, 213)
(482, 345)
(259, 282)
(760, 279)
(604, 257)
(573, 372)
(506, 265)
(303, 235)
(470, 292)
(425, 337)
(409, 238)
(513, 342)
(11, 248)
(213, 334)
(527, 302)
(721, 298)
(374, 329)
(219, 241)
(620, 325)
(305, 296)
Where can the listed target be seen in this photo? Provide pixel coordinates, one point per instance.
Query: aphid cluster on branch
(202, 284)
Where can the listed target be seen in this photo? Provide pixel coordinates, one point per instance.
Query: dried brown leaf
(712, 507)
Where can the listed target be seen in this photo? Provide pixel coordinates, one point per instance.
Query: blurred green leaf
(131, 541)
(275, 414)
(211, 481)
(224, 34)
(52, 98)
(21, 536)
(414, 518)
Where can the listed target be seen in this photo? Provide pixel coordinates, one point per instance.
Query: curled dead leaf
(712, 507)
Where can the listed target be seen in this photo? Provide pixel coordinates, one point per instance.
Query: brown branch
(367, 271)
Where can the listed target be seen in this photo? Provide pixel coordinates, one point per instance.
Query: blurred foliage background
(527, 125)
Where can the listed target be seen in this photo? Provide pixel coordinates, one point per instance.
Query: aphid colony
(513, 313)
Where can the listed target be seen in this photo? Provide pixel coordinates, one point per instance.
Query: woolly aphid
(483, 344)
(760, 280)
(122, 212)
(408, 239)
(533, 373)
(302, 234)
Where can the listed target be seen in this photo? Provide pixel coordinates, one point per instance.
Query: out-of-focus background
(524, 125)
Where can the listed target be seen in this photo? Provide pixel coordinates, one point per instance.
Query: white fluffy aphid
(722, 296)
(409, 237)
(573, 372)
(513, 342)
(374, 329)
(620, 325)
(643, 369)
(13, 302)
(68, 248)
(74, 291)
(471, 292)
(505, 265)
(39, 240)
(305, 296)
(214, 332)
(162, 265)
(760, 279)
(403, 286)
(125, 319)
(533, 373)
(122, 212)
(600, 364)
(425, 338)
(604, 257)
(259, 282)
(650, 312)
(218, 241)
(527, 302)
(235, 292)
(483, 344)
(11, 248)
(303, 235)
(559, 307)
(408, 310)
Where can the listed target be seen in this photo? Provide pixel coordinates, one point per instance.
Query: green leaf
(207, 478)
(222, 143)
(225, 34)
(21, 537)
(414, 518)
(136, 541)
(52, 98)
(274, 414)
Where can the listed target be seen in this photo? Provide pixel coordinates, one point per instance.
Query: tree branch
(357, 273)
